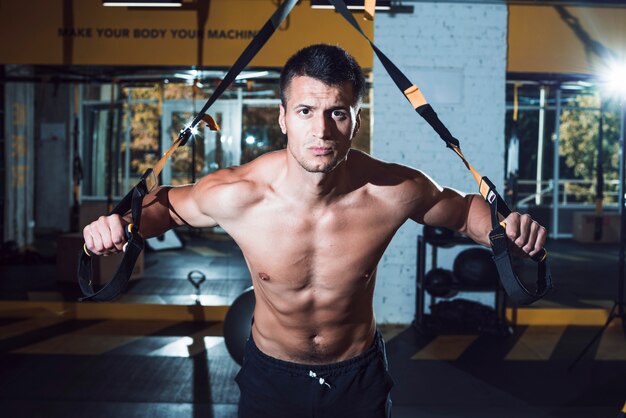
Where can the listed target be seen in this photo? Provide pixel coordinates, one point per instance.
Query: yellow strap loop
(415, 96)
(370, 9)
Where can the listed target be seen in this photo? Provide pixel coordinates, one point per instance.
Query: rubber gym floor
(155, 352)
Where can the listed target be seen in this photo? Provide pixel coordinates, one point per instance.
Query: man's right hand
(106, 235)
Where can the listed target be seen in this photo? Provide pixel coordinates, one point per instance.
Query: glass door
(206, 151)
(103, 166)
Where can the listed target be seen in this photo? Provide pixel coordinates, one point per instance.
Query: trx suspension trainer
(149, 180)
(519, 294)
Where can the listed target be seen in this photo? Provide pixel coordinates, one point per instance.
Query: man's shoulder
(241, 185)
(385, 174)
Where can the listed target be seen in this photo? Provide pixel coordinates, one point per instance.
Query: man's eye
(339, 114)
(305, 111)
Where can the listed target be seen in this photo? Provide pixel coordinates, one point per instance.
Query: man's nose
(322, 126)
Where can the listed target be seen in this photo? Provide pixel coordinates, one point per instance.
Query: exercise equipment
(238, 324)
(196, 278)
(475, 267)
(149, 180)
(511, 283)
(438, 281)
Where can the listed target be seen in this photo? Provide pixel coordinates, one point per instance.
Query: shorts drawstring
(321, 380)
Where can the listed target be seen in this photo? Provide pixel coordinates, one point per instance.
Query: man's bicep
(439, 206)
(188, 208)
(449, 210)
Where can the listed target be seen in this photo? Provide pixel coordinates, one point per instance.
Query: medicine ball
(475, 267)
(238, 323)
(437, 282)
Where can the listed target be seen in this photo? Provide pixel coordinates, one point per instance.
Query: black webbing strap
(511, 283)
(133, 200)
(133, 249)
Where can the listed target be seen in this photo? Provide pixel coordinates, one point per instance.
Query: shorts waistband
(376, 349)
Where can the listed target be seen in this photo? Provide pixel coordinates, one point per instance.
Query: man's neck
(315, 188)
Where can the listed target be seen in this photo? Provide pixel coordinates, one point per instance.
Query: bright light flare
(250, 140)
(614, 79)
(194, 130)
(185, 76)
(249, 75)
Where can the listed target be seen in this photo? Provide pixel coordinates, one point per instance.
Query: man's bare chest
(284, 240)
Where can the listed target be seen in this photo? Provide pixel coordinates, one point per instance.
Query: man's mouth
(321, 150)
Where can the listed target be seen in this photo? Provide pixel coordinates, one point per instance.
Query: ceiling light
(613, 78)
(140, 3)
(352, 4)
(185, 76)
(247, 76)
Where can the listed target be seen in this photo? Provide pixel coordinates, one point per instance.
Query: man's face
(320, 122)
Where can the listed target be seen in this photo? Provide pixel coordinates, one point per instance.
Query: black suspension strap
(511, 283)
(133, 200)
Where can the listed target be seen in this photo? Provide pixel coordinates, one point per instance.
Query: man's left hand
(527, 236)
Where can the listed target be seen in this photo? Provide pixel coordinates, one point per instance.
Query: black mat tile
(103, 409)
(42, 334)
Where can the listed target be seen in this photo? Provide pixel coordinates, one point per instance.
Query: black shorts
(358, 387)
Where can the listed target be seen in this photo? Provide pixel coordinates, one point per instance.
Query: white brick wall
(456, 53)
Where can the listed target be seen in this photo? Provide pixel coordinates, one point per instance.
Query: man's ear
(357, 125)
(281, 120)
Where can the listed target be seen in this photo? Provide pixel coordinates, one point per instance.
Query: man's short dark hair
(329, 64)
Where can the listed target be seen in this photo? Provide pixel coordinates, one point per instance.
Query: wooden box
(584, 224)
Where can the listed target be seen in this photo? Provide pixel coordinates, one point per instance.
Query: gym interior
(92, 96)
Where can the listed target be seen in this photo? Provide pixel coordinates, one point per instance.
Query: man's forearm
(478, 220)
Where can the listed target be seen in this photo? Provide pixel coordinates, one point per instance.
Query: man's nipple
(264, 277)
